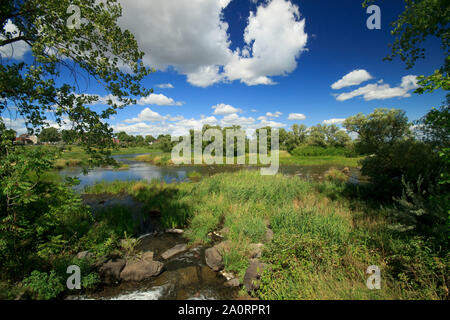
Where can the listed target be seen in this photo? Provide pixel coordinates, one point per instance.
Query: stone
(346, 171)
(111, 269)
(139, 270)
(188, 276)
(179, 248)
(148, 255)
(175, 231)
(253, 275)
(256, 250)
(223, 247)
(84, 255)
(214, 259)
(269, 235)
(233, 283)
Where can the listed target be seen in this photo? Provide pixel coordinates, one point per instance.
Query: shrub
(334, 174)
(44, 286)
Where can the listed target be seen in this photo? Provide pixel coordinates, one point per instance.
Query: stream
(186, 275)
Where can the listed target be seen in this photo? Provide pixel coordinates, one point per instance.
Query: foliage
(44, 286)
(50, 135)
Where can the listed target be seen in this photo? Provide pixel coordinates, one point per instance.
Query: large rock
(255, 250)
(253, 275)
(110, 270)
(214, 259)
(179, 248)
(85, 255)
(233, 283)
(139, 270)
(269, 235)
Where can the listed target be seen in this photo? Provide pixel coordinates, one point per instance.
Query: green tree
(69, 136)
(421, 20)
(50, 135)
(149, 139)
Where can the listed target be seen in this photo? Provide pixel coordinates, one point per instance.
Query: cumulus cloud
(296, 116)
(353, 78)
(380, 91)
(225, 109)
(15, 50)
(334, 121)
(159, 100)
(192, 37)
(147, 115)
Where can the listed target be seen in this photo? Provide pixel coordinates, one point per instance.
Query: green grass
(325, 236)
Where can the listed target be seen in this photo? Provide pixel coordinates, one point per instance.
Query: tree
(50, 135)
(421, 20)
(392, 153)
(149, 139)
(69, 136)
(99, 48)
(35, 212)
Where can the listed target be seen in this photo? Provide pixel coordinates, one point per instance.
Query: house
(26, 139)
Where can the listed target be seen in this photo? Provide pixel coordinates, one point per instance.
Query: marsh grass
(326, 234)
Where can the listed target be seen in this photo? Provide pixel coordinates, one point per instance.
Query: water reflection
(144, 171)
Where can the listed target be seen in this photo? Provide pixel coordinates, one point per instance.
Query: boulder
(223, 247)
(233, 283)
(214, 259)
(111, 269)
(253, 274)
(141, 269)
(255, 250)
(269, 235)
(84, 255)
(148, 255)
(179, 248)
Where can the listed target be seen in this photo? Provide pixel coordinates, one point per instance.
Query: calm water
(144, 171)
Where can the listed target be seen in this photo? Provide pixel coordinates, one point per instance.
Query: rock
(179, 248)
(253, 274)
(227, 275)
(256, 250)
(188, 276)
(176, 231)
(84, 255)
(110, 270)
(214, 259)
(139, 270)
(233, 283)
(223, 247)
(269, 235)
(346, 171)
(148, 255)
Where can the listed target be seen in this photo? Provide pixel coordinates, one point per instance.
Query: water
(145, 171)
(185, 276)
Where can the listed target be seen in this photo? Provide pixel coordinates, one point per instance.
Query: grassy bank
(325, 235)
(164, 159)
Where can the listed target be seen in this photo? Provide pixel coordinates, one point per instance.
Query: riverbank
(165, 159)
(324, 235)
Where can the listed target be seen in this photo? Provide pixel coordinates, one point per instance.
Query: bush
(44, 286)
(315, 151)
(336, 175)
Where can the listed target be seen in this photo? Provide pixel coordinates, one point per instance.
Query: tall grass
(325, 235)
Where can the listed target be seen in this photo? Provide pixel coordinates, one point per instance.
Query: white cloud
(147, 115)
(235, 119)
(191, 37)
(380, 91)
(296, 116)
(165, 86)
(334, 121)
(159, 100)
(353, 78)
(274, 115)
(224, 109)
(275, 36)
(14, 50)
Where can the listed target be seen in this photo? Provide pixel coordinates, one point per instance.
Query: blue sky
(256, 63)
